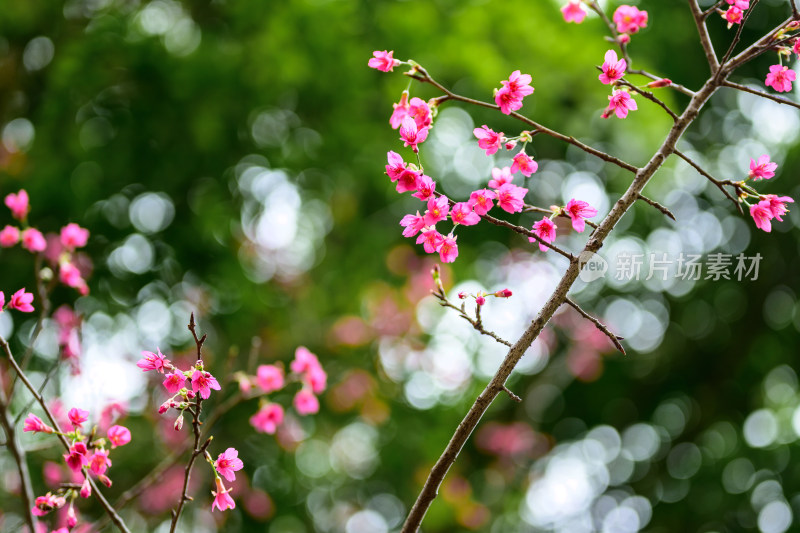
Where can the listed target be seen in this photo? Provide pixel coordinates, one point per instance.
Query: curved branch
(719, 184)
(738, 35)
(657, 205)
(599, 325)
(762, 94)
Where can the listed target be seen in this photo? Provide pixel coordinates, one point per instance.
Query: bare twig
(719, 184)
(738, 36)
(657, 205)
(764, 44)
(18, 453)
(677, 86)
(650, 96)
(774, 98)
(599, 325)
(705, 39)
(512, 395)
(713, 9)
(47, 377)
(474, 322)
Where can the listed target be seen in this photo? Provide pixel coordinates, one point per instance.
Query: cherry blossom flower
(77, 457)
(303, 361)
(203, 382)
(462, 214)
(573, 12)
(99, 462)
(620, 102)
(763, 168)
(400, 111)
(412, 224)
(524, 163)
(578, 210)
(481, 201)
(780, 78)
(268, 418)
(383, 61)
(269, 378)
(431, 240)
(500, 176)
(488, 139)
(407, 181)
(509, 197)
(35, 424)
(222, 499)
(437, 210)
(629, 19)
(73, 236)
(227, 463)
(420, 111)
(425, 188)
(69, 275)
(153, 361)
(305, 402)
(118, 436)
(44, 504)
(86, 488)
(411, 135)
(33, 240)
(77, 417)
(504, 293)
(545, 230)
(448, 250)
(733, 15)
(396, 165)
(316, 378)
(21, 301)
(174, 382)
(777, 205)
(509, 97)
(613, 69)
(762, 215)
(18, 204)
(9, 236)
(741, 4)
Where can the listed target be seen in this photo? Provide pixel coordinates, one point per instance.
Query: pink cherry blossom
(763, 169)
(33, 240)
(44, 504)
(507, 101)
(741, 4)
(462, 214)
(174, 382)
(411, 135)
(629, 19)
(524, 163)
(425, 188)
(780, 78)
(420, 111)
(269, 378)
(154, 361)
(545, 230)
(303, 361)
(620, 102)
(99, 462)
(431, 240)
(448, 251)
(480, 299)
(777, 205)
(400, 111)
(316, 378)
(383, 61)
(407, 181)
(510, 197)
(86, 488)
(762, 214)
(500, 176)
(573, 12)
(488, 139)
(438, 208)
(69, 275)
(9, 236)
(77, 457)
(305, 402)
(18, 204)
(73, 236)
(481, 201)
(613, 69)
(796, 46)
(578, 210)
(119, 436)
(518, 83)
(504, 293)
(35, 424)
(72, 520)
(77, 417)
(733, 15)
(412, 224)
(21, 301)
(227, 463)
(268, 418)
(203, 382)
(396, 165)
(222, 500)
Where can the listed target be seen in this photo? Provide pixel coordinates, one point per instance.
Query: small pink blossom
(305, 402)
(77, 457)
(780, 78)
(431, 240)
(44, 504)
(510, 197)
(73, 236)
(503, 293)
(573, 12)
(18, 204)
(481, 201)
(462, 214)
(524, 163)
(317, 379)
(222, 500)
(174, 382)
(9, 236)
(86, 488)
(741, 4)
(448, 250)
(620, 102)
(269, 378)
(425, 188)
(396, 165)
(412, 224)
(733, 15)
(33, 240)
(519, 84)
(507, 101)
(154, 361)
(400, 111)
(21, 301)
(578, 210)
(407, 181)
(480, 299)
(438, 208)
(488, 139)
(99, 462)
(613, 69)
(227, 463)
(268, 418)
(763, 169)
(35, 424)
(119, 436)
(777, 205)
(500, 176)
(383, 61)
(762, 215)
(69, 275)
(629, 19)
(420, 111)
(77, 417)
(545, 230)
(411, 135)
(303, 361)
(203, 382)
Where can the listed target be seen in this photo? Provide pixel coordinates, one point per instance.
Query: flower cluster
(226, 465)
(766, 206)
(577, 211)
(735, 12)
(509, 97)
(480, 296)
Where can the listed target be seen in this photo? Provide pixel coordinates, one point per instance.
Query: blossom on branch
(620, 102)
(203, 382)
(383, 61)
(35, 424)
(448, 250)
(612, 68)
(524, 163)
(33, 240)
(119, 436)
(629, 19)
(463, 214)
(411, 134)
(763, 168)
(578, 210)
(780, 78)
(227, 463)
(18, 204)
(21, 301)
(222, 499)
(509, 97)
(481, 201)
(488, 139)
(545, 230)
(573, 12)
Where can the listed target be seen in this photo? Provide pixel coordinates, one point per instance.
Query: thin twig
(795, 12)
(764, 44)
(713, 9)
(18, 453)
(719, 184)
(533, 209)
(705, 39)
(512, 395)
(677, 86)
(774, 98)
(50, 374)
(650, 96)
(599, 325)
(475, 323)
(738, 36)
(657, 205)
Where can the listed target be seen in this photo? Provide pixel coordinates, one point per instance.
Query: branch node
(512, 395)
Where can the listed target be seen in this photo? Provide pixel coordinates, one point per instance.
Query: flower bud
(510, 145)
(86, 489)
(793, 25)
(657, 84)
(164, 407)
(178, 423)
(462, 295)
(480, 300)
(190, 394)
(624, 38)
(504, 293)
(72, 518)
(104, 480)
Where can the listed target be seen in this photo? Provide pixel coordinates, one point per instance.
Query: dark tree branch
(719, 184)
(762, 94)
(705, 39)
(599, 325)
(18, 453)
(738, 36)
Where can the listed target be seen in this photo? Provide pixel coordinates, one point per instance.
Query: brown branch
(474, 322)
(599, 325)
(512, 395)
(719, 184)
(677, 86)
(47, 377)
(650, 96)
(738, 36)
(757, 48)
(762, 94)
(713, 9)
(705, 39)
(533, 209)
(18, 453)
(657, 205)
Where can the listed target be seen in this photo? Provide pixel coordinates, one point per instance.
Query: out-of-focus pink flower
(733, 15)
(400, 111)
(154, 361)
(303, 361)
(620, 102)
(448, 250)
(780, 78)
(462, 214)
(777, 205)
(223, 500)
(629, 19)
(305, 402)
(573, 12)
(203, 382)
(35, 424)
(110, 413)
(227, 463)
(119, 436)
(481, 201)
(69, 275)
(21, 301)
(545, 230)
(317, 379)
(500, 176)
(44, 504)
(270, 379)
(430, 240)
(438, 208)
(412, 224)
(77, 457)
(524, 163)
(77, 417)
(33, 240)
(613, 69)
(425, 188)
(99, 462)
(72, 520)
(268, 418)
(741, 4)
(383, 61)
(174, 381)
(73, 236)
(9, 236)
(578, 210)
(762, 215)
(488, 139)
(763, 168)
(86, 488)
(411, 135)
(18, 204)
(509, 197)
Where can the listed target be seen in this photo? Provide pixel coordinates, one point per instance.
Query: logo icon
(592, 266)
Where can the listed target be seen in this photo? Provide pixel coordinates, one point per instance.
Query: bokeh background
(227, 157)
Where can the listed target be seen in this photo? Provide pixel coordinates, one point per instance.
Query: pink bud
(480, 300)
(462, 295)
(86, 489)
(504, 293)
(657, 84)
(72, 519)
(164, 407)
(105, 480)
(178, 423)
(190, 394)
(793, 25)
(510, 145)
(624, 38)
